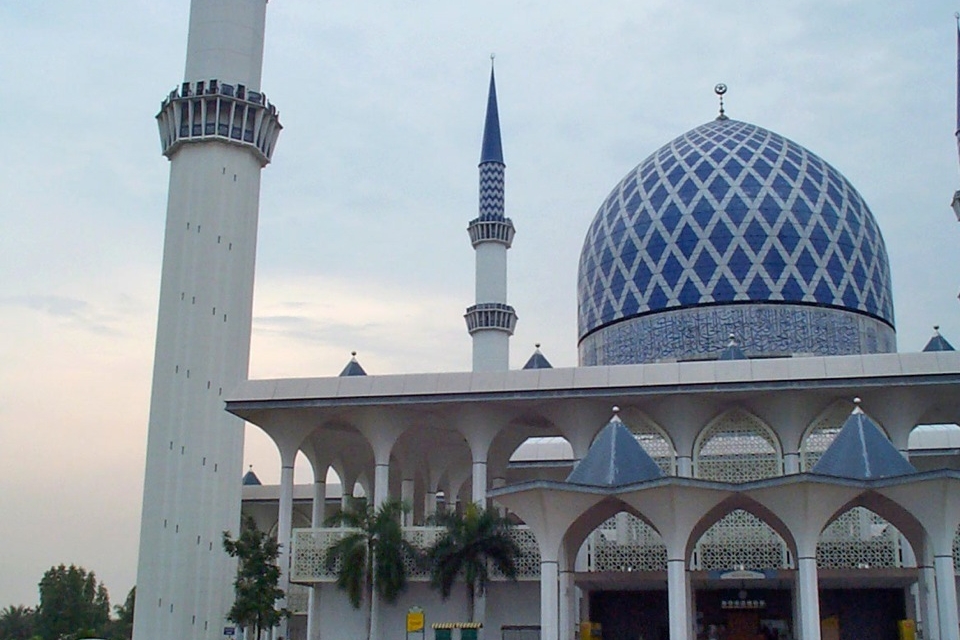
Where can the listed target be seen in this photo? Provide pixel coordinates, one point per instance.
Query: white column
(313, 614)
(381, 483)
(317, 516)
(927, 591)
(406, 495)
(947, 597)
(685, 466)
(549, 600)
(429, 503)
(568, 605)
(809, 598)
(479, 495)
(346, 492)
(791, 463)
(677, 599)
(285, 532)
(318, 512)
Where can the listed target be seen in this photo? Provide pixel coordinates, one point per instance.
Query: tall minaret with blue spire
(491, 320)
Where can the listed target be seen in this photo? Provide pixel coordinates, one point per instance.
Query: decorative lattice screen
(956, 551)
(740, 540)
(821, 433)
(652, 439)
(859, 539)
(626, 543)
(737, 447)
(310, 546)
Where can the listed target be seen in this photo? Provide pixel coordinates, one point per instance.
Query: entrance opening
(851, 614)
(744, 614)
(631, 615)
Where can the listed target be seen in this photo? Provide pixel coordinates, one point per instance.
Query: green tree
(472, 542)
(121, 627)
(73, 604)
(372, 555)
(258, 577)
(17, 623)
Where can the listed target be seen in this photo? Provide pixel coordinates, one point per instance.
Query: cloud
(97, 318)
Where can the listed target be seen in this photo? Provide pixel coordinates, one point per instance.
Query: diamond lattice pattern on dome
(731, 212)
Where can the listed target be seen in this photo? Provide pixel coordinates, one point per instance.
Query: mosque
(741, 452)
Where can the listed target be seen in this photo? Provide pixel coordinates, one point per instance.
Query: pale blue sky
(362, 239)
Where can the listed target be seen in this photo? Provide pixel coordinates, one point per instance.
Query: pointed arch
(653, 438)
(740, 533)
(860, 538)
(737, 446)
(617, 538)
(821, 432)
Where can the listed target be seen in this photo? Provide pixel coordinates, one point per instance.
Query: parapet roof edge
(713, 375)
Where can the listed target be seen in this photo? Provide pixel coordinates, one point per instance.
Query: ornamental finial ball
(616, 409)
(353, 354)
(856, 401)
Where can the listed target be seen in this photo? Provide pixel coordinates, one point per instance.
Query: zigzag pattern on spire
(491, 191)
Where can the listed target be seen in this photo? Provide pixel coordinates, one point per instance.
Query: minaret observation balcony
(491, 230)
(491, 315)
(212, 110)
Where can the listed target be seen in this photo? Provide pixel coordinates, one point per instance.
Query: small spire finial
(492, 56)
(353, 354)
(936, 328)
(616, 409)
(251, 468)
(720, 89)
(537, 345)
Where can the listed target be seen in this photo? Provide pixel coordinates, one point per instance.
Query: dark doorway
(864, 613)
(631, 615)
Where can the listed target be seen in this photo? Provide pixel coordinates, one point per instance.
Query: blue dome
(731, 214)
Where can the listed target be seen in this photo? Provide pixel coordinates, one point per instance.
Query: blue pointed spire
(492, 150)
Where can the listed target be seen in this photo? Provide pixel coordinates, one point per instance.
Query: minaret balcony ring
(213, 110)
(491, 315)
(491, 230)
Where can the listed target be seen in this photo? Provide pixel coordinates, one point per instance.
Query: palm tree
(472, 542)
(17, 623)
(371, 557)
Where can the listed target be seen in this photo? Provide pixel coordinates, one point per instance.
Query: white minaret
(218, 131)
(491, 320)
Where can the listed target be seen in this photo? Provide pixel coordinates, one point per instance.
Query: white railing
(624, 543)
(310, 548)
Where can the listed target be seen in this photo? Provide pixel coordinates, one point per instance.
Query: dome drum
(731, 228)
(762, 330)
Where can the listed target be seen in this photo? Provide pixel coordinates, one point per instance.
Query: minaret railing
(213, 110)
